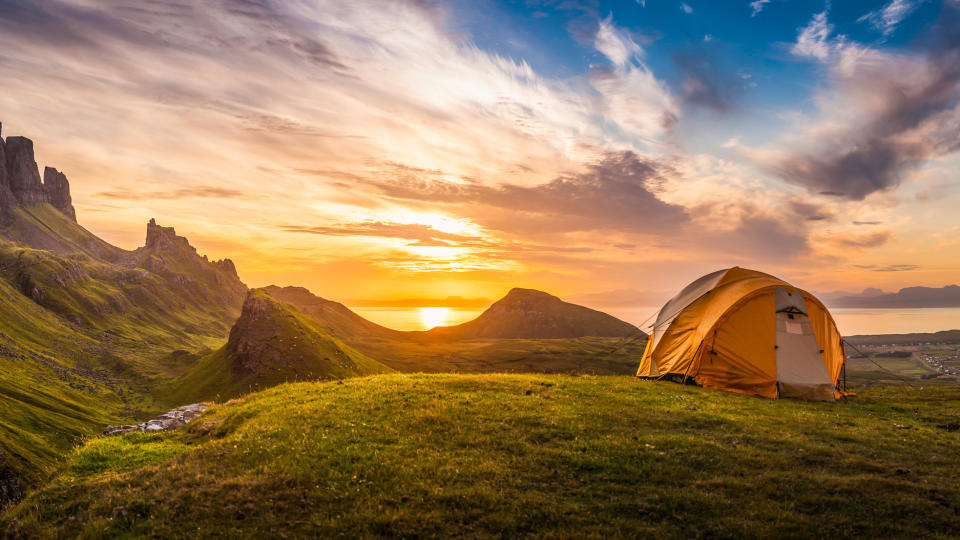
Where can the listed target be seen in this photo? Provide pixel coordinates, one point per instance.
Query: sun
(432, 317)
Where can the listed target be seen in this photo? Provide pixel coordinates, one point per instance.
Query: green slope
(56, 385)
(45, 227)
(504, 456)
(87, 329)
(271, 343)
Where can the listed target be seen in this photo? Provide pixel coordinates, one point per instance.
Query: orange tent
(748, 332)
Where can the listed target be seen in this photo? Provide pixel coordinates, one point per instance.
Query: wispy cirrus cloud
(889, 267)
(813, 39)
(886, 19)
(201, 192)
(757, 6)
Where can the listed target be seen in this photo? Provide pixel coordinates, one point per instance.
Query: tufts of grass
(511, 455)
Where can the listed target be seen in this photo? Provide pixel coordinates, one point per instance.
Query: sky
(403, 152)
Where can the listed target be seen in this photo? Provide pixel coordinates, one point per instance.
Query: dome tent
(748, 332)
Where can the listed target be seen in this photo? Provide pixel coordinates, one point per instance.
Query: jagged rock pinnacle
(164, 237)
(20, 183)
(57, 189)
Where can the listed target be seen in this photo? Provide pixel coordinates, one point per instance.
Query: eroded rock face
(57, 189)
(7, 201)
(22, 172)
(251, 339)
(20, 183)
(227, 266)
(173, 419)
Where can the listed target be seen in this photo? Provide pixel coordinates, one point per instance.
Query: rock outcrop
(20, 183)
(165, 238)
(7, 201)
(172, 419)
(22, 172)
(173, 258)
(57, 189)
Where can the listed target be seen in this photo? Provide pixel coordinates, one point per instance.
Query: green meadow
(505, 455)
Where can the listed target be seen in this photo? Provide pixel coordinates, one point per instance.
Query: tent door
(801, 371)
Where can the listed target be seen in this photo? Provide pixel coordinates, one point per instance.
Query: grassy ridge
(271, 343)
(504, 455)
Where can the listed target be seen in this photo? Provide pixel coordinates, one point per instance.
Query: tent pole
(844, 374)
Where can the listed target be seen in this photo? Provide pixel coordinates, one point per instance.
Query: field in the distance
(897, 359)
(505, 455)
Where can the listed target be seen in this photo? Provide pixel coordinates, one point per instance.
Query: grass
(509, 455)
(587, 355)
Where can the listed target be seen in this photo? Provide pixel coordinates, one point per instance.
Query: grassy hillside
(87, 330)
(508, 455)
(56, 385)
(270, 343)
(45, 227)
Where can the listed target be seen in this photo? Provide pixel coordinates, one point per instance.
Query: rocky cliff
(21, 185)
(57, 190)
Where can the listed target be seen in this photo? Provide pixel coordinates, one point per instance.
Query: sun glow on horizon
(431, 317)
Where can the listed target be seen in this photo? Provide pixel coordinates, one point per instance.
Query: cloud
(888, 268)
(202, 192)
(883, 114)
(859, 241)
(631, 96)
(686, 8)
(616, 44)
(610, 194)
(885, 20)
(757, 6)
(812, 39)
(422, 234)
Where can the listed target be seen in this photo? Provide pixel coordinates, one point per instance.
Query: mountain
(909, 297)
(271, 343)
(531, 314)
(526, 331)
(87, 329)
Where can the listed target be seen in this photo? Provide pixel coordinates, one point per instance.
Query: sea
(851, 321)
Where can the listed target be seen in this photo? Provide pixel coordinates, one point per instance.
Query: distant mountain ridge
(909, 297)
